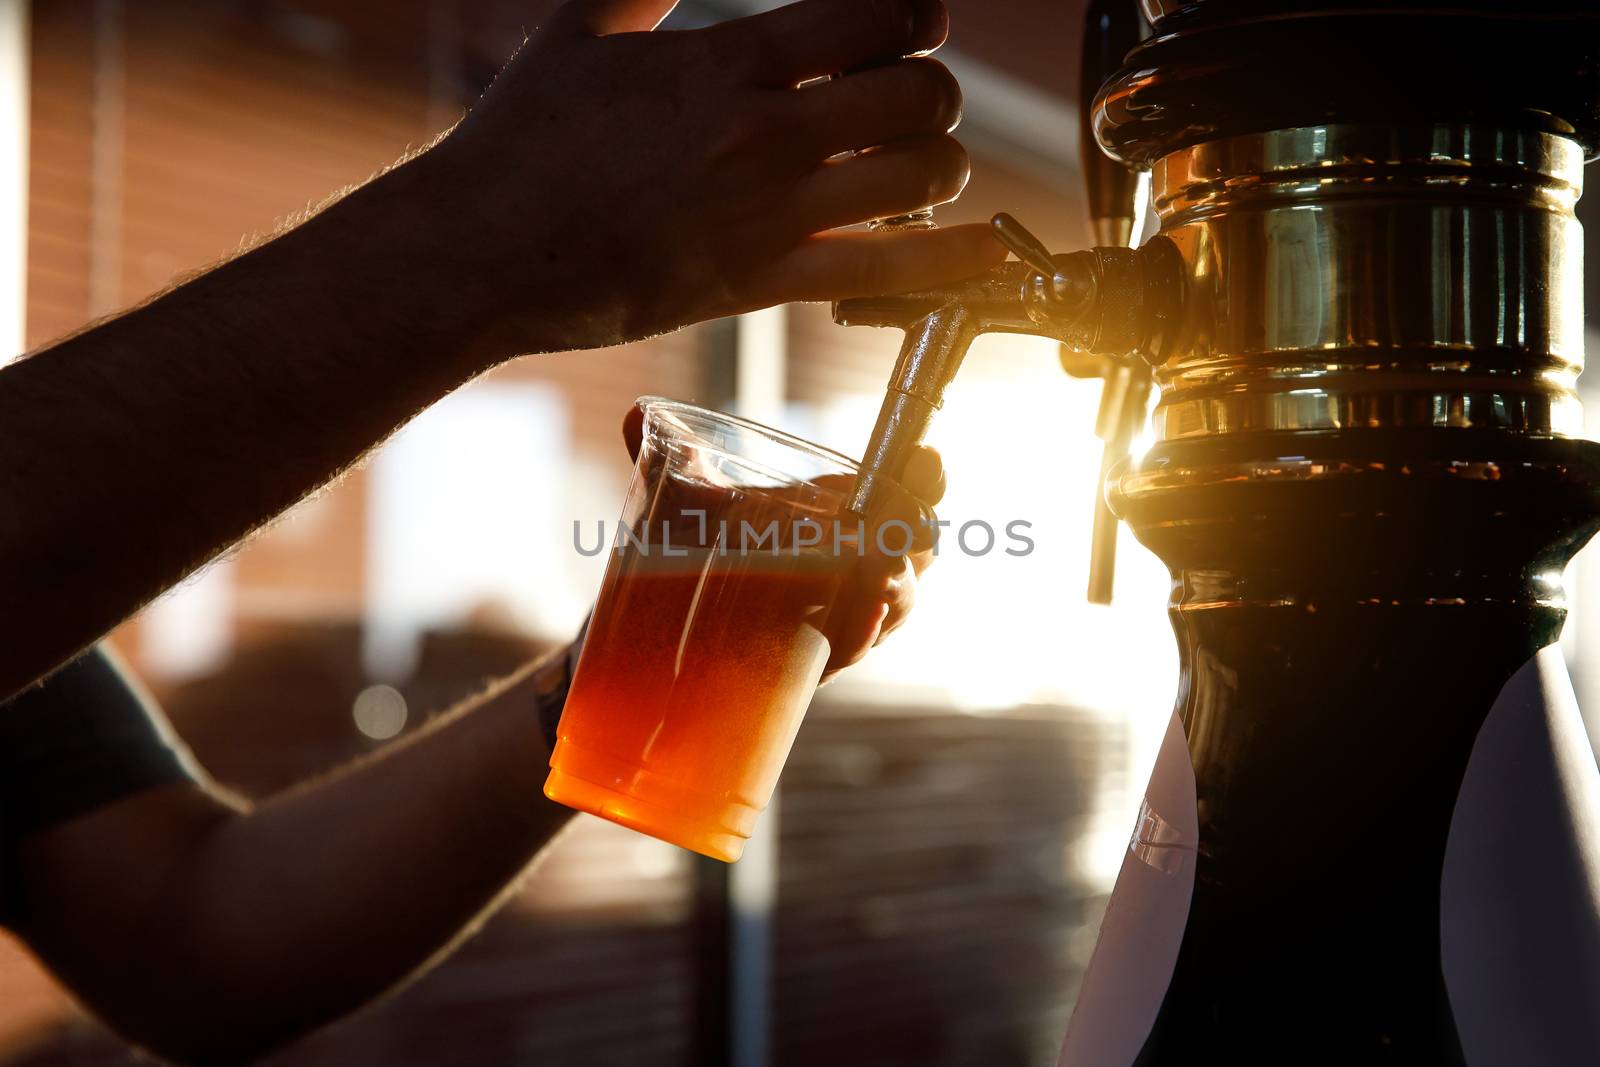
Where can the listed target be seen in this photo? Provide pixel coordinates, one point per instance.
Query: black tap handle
(1063, 290)
(1023, 244)
(1111, 29)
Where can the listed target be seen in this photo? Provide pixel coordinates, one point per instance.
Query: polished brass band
(1351, 276)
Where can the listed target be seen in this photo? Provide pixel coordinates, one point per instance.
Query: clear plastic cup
(709, 635)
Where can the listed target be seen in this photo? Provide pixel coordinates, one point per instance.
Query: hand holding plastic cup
(712, 628)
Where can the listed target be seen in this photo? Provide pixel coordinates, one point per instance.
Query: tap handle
(1111, 30)
(1060, 290)
(1023, 244)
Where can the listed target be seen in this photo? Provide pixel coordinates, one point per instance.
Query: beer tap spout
(1104, 301)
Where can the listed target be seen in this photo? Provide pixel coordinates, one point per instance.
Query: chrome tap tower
(1363, 316)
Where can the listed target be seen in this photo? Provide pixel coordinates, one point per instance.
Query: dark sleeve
(86, 737)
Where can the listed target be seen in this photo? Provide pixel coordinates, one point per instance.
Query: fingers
(923, 477)
(881, 587)
(899, 599)
(837, 266)
(818, 37)
(873, 107)
(601, 17)
(877, 600)
(900, 523)
(892, 179)
(852, 632)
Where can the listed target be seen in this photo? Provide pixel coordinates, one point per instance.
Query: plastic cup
(709, 635)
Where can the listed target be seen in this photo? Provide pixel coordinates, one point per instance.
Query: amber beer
(709, 635)
(691, 686)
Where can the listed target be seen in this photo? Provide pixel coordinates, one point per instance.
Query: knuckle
(761, 120)
(755, 126)
(730, 142)
(934, 171)
(948, 168)
(734, 53)
(753, 57)
(890, 21)
(944, 92)
(922, 93)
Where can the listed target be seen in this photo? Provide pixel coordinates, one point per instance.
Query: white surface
(1520, 896)
(1143, 926)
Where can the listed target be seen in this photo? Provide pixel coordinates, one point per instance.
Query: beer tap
(1106, 306)
(1103, 301)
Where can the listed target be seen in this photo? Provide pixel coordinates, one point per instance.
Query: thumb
(601, 17)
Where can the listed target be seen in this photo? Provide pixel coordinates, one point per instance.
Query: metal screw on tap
(921, 219)
(1054, 290)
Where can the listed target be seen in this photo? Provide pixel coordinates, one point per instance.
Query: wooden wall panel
(62, 121)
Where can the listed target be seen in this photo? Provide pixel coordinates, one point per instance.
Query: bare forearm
(371, 874)
(139, 449)
(266, 924)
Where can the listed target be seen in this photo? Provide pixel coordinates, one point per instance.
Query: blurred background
(956, 807)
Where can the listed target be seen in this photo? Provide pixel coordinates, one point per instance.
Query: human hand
(615, 183)
(880, 586)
